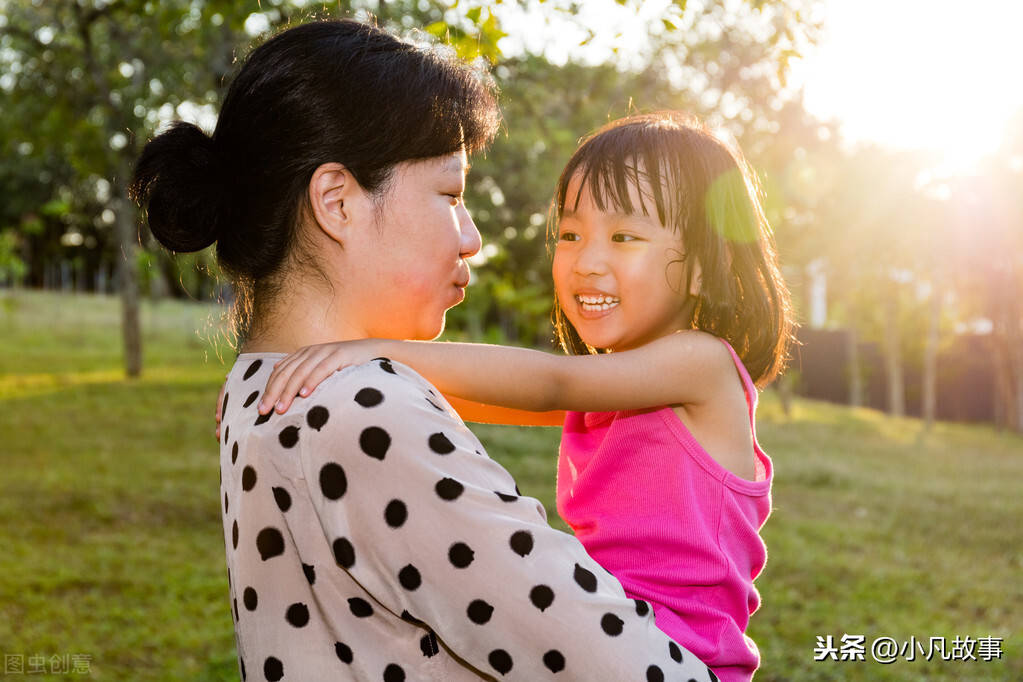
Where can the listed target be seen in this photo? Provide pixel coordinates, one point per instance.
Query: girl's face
(413, 267)
(617, 277)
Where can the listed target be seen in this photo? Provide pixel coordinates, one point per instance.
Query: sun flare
(914, 74)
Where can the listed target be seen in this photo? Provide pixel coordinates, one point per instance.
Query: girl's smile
(595, 304)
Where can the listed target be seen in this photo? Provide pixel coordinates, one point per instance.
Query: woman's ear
(332, 197)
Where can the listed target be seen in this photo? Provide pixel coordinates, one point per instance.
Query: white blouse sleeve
(435, 531)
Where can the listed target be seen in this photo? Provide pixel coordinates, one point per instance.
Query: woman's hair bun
(178, 181)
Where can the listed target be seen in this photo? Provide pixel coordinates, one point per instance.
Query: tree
(87, 82)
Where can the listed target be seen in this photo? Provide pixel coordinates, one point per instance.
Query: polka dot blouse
(370, 537)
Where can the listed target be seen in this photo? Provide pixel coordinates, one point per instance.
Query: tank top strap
(747, 381)
(762, 467)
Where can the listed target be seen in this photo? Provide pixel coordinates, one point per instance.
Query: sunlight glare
(916, 74)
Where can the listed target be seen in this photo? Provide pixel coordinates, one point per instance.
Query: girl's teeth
(594, 303)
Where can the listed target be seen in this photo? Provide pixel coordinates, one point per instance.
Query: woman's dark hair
(326, 91)
(707, 195)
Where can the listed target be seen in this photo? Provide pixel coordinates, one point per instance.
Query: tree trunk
(855, 371)
(893, 357)
(128, 282)
(930, 378)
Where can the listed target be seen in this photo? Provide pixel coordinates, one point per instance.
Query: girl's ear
(333, 197)
(695, 279)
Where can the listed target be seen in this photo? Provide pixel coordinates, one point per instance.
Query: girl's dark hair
(706, 194)
(326, 91)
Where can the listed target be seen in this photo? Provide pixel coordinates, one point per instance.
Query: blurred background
(888, 141)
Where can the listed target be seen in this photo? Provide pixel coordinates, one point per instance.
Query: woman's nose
(471, 241)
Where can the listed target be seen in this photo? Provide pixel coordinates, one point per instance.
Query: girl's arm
(686, 367)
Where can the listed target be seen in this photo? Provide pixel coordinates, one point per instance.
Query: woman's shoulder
(380, 381)
(368, 378)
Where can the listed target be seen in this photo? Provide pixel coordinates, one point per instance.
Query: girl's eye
(619, 237)
(568, 237)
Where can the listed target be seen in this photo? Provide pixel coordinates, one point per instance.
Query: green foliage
(12, 268)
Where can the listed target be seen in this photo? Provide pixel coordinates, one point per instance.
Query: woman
(368, 535)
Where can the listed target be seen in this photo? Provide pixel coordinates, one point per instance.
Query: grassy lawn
(111, 543)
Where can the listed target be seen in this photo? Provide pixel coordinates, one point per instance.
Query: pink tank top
(676, 528)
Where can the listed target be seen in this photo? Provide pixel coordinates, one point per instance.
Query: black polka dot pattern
(394, 500)
(385, 364)
(611, 624)
(333, 482)
(460, 555)
(360, 608)
(263, 418)
(369, 397)
(479, 611)
(449, 489)
(317, 417)
(395, 513)
(282, 498)
(554, 661)
(252, 369)
(270, 543)
(428, 645)
(521, 542)
(288, 436)
(440, 444)
(344, 552)
(248, 478)
(541, 596)
(585, 579)
(374, 441)
(297, 615)
(501, 661)
(410, 578)
(250, 599)
(273, 669)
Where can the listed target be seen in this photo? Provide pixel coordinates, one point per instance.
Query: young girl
(669, 299)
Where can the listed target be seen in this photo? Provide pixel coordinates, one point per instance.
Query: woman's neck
(294, 321)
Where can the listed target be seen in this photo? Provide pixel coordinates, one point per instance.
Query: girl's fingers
(298, 379)
(275, 382)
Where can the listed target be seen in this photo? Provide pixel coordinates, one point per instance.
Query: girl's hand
(302, 371)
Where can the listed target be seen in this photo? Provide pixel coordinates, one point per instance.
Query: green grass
(111, 543)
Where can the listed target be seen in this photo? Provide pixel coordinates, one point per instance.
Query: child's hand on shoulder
(300, 372)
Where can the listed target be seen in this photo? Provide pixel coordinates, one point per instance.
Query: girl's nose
(590, 260)
(471, 241)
